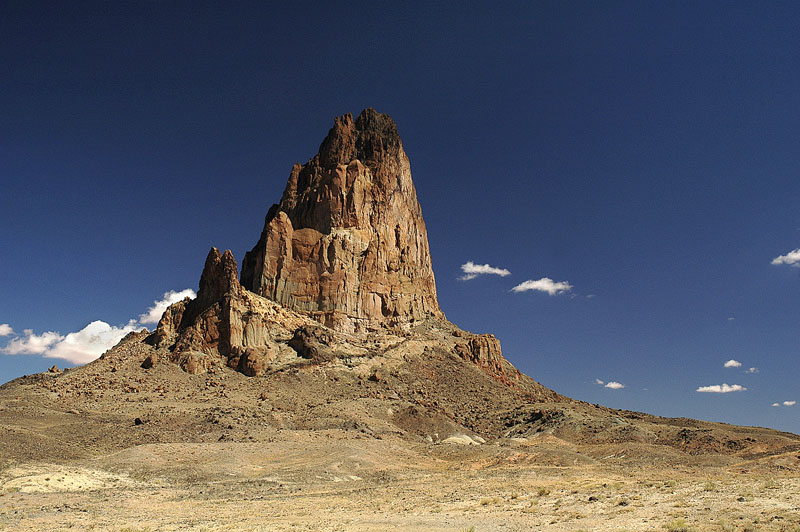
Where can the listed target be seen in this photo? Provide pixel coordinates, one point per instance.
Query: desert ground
(333, 481)
(113, 446)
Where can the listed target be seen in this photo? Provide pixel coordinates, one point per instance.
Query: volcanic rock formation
(344, 253)
(347, 243)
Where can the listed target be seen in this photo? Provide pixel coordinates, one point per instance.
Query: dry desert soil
(410, 439)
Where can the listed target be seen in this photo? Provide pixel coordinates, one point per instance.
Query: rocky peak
(372, 138)
(346, 247)
(347, 244)
(220, 277)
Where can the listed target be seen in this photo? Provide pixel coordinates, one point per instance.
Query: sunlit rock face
(347, 244)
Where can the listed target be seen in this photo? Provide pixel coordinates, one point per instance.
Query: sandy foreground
(329, 480)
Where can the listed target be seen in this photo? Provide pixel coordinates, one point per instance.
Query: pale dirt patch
(52, 478)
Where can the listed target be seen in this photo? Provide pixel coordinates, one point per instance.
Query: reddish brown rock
(312, 343)
(220, 277)
(484, 351)
(221, 321)
(346, 247)
(255, 361)
(347, 243)
(150, 361)
(195, 362)
(169, 324)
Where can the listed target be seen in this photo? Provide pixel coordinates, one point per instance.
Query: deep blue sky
(647, 153)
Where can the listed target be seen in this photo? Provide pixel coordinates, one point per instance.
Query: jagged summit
(342, 265)
(347, 243)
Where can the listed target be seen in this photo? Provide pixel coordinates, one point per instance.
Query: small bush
(678, 525)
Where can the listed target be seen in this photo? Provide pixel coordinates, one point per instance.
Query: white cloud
(598, 381)
(78, 347)
(722, 388)
(792, 258)
(789, 403)
(733, 364)
(545, 284)
(5, 329)
(752, 370)
(615, 385)
(90, 342)
(31, 344)
(154, 313)
(472, 270)
(776, 404)
(731, 318)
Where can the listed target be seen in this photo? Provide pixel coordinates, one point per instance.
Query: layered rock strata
(347, 244)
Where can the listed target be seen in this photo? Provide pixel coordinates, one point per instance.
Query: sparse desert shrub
(531, 508)
(682, 503)
(710, 486)
(542, 492)
(678, 525)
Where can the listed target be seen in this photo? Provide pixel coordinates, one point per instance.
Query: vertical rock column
(347, 243)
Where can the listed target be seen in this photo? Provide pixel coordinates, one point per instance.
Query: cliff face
(347, 244)
(345, 252)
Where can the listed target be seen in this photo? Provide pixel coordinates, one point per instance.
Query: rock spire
(347, 244)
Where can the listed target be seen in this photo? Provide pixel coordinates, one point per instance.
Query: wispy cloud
(545, 284)
(87, 344)
(722, 388)
(752, 370)
(472, 270)
(792, 258)
(598, 381)
(615, 385)
(154, 313)
(6, 330)
(733, 364)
